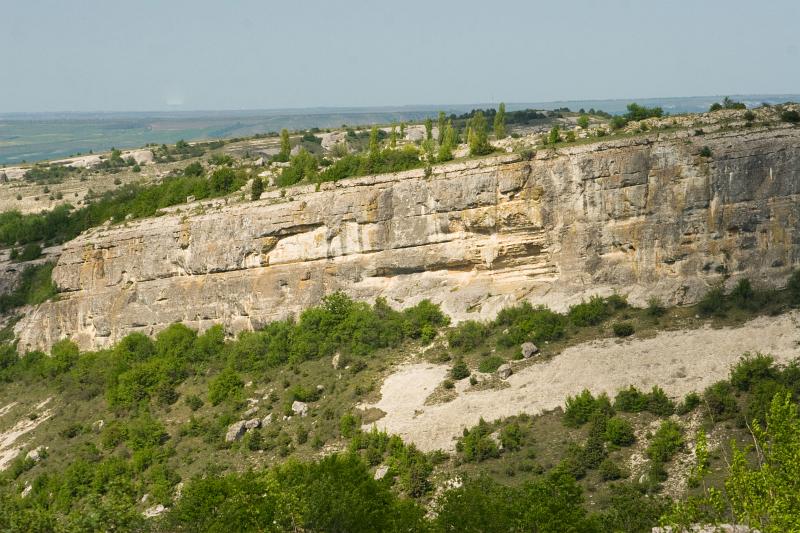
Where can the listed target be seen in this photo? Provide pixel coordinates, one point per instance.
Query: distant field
(37, 136)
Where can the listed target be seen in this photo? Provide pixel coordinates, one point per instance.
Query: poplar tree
(477, 136)
(446, 146)
(393, 137)
(441, 125)
(428, 129)
(374, 143)
(286, 147)
(500, 122)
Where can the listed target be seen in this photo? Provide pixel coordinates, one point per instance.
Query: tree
(554, 136)
(374, 142)
(257, 188)
(583, 121)
(440, 126)
(393, 137)
(402, 130)
(500, 121)
(286, 147)
(448, 141)
(428, 129)
(477, 137)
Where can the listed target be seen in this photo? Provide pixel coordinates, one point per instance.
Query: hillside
(580, 326)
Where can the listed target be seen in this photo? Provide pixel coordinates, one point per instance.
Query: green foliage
(579, 409)
(256, 188)
(227, 385)
(554, 136)
(631, 509)
(460, 370)
(194, 170)
(623, 329)
(468, 335)
(29, 252)
(512, 437)
(713, 302)
(658, 403)
(194, 402)
(303, 166)
(705, 151)
(477, 137)
(639, 112)
(35, 286)
(666, 442)
(476, 444)
(447, 143)
(790, 116)
(286, 146)
(689, 403)
(527, 323)
(720, 402)
(619, 432)
(491, 364)
(583, 121)
(551, 504)
(610, 471)
(348, 425)
(378, 162)
(655, 308)
(751, 370)
(500, 122)
(630, 400)
(589, 313)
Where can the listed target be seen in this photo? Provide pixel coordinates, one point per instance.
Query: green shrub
(490, 364)
(751, 370)
(460, 369)
(589, 313)
(760, 399)
(194, 402)
(619, 432)
(623, 329)
(705, 151)
(791, 116)
(720, 402)
(610, 471)
(35, 286)
(476, 444)
(630, 400)
(226, 386)
(579, 409)
(743, 296)
(713, 302)
(468, 335)
(512, 436)
(689, 403)
(527, 323)
(349, 424)
(658, 403)
(667, 441)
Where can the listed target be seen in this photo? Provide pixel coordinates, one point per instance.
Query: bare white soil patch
(10, 439)
(677, 361)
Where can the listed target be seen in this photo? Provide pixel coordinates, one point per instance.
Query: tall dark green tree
(448, 141)
(393, 137)
(440, 123)
(256, 188)
(428, 129)
(374, 141)
(286, 146)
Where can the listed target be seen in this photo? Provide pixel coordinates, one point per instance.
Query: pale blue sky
(101, 55)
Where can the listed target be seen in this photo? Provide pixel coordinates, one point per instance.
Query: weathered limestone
(647, 216)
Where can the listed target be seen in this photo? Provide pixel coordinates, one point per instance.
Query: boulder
(253, 423)
(504, 371)
(300, 408)
(250, 412)
(335, 360)
(529, 350)
(235, 431)
(37, 454)
(381, 472)
(154, 511)
(266, 420)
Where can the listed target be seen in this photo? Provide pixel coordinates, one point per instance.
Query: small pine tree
(500, 122)
(286, 147)
(257, 188)
(583, 121)
(441, 126)
(554, 136)
(428, 129)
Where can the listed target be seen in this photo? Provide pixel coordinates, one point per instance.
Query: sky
(152, 55)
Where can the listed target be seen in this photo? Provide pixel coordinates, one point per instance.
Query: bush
(512, 437)
(468, 335)
(753, 369)
(793, 288)
(667, 440)
(589, 313)
(720, 401)
(35, 286)
(610, 471)
(227, 385)
(705, 151)
(476, 444)
(791, 116)
(713, 302)
(526, 323)
(579, 409)
(630, 400)
(689, 403)
(490, 364)
(194, 402)
(743, 296)
(655, 308)
(658, 403)
(623, 329)
(460, 369)
(619, 432)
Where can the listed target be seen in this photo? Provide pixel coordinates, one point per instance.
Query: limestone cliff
(645, 216)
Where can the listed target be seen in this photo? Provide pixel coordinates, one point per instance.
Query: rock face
(646, 216)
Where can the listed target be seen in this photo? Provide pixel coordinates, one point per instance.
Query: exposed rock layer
(647, 216)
